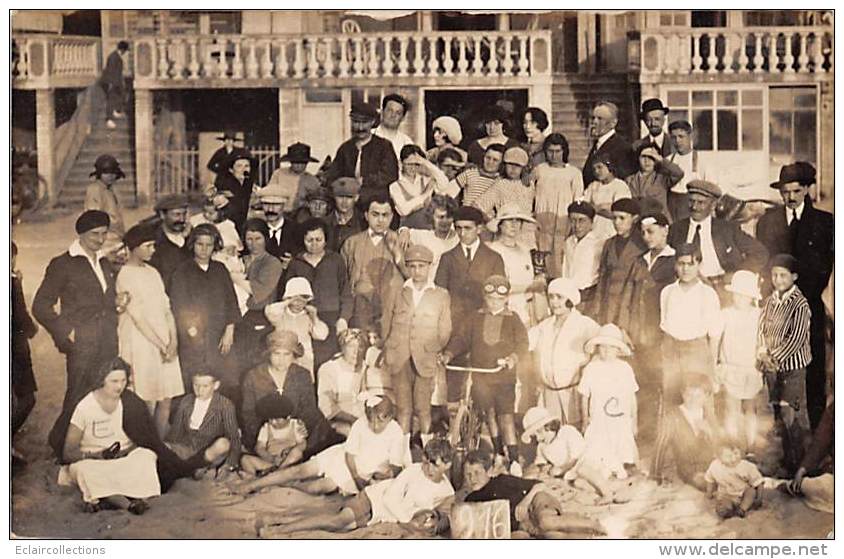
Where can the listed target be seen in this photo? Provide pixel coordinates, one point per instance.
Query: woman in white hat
(736, 369)
(518, 266)
(510, 189)
(447, 134)
(295, 313)
(608, 388)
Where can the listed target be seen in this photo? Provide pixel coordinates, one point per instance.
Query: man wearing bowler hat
(170, 250)
(100, 196)
(807, 233)
(365, 156)
(724, 246)
(653, 114)
(295, 180)
(77, 301)
(218, 161)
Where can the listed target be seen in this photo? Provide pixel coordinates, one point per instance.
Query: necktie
(792, 227)
(696, 239)
(468, 254)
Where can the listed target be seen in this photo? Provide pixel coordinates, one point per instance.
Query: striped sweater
(784, 329)
(474, 183)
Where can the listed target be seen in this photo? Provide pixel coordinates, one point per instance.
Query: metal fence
(177, 170)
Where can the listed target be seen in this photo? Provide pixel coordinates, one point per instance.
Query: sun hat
(745, 282)
(510, 210)
(611, 335)
(451, 127)
(298, 153)
(535, 419)
(285, 339)
(91, 219)
(298, 287)
(564, 287)
(516, 156)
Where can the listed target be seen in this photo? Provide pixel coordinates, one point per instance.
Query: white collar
(780, 298)
(706, 223)
(75, 249)
(428, 285)
(602, 139)
(175, 238)
(667, 250)
(274, 228)
(473, 247)
(373, 235)
(658, 140)
(798, 210)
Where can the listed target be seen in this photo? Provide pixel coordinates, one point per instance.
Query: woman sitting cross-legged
(110, 448)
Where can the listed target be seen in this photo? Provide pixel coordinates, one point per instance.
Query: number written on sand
(481, 521)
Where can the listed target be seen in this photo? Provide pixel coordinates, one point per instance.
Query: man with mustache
(285, 239)
(607, 143)
(170, 238)
(365, 156)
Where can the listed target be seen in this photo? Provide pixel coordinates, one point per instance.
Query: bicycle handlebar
(457, 368)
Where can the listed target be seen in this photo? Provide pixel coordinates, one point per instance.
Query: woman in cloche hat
(100, 195)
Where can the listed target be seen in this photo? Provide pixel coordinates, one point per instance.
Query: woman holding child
(280, 373)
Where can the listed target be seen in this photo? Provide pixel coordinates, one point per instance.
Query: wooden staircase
(574, 96)
(119, 142)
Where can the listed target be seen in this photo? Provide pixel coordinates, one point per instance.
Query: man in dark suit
(112, 82)
(285, 239)
(170, 238)
(724, 246)
(462, 272)
(608, 144)
(807, 233)
(653, 114)
(76, 303)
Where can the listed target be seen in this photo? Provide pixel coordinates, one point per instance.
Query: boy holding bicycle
(494, 336)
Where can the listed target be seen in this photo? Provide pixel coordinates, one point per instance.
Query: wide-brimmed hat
(107, 164)
(451, 127)
(745, 282)
(237, 154)
(800, 172)
(298, 153)
(510, 210)
(535, 419)
(285, 339)
(298, 287)
(363, 112)
(653, 104)
(611, 335)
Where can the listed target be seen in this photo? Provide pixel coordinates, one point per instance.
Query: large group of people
(301, 333)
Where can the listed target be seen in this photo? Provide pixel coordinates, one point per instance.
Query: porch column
(540, 96)
(289, 117)
(586, 44)
(144, 146)
(45, 139)
(826, 155)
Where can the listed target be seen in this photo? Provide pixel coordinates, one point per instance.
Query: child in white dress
(375, 450)
(281, 440)
(294, 313)
(608, 389)
(341, 379)
(147, 330)
(736, 370)
(601, 193)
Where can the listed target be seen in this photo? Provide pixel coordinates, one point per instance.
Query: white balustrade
(759, 50)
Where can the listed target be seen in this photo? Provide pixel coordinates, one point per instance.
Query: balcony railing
(41, 61)
(343, 57)
(719, 51)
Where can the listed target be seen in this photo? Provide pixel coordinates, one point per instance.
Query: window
(723, 119)
(783, 18)
(673, 18)
(793, 123)
(323, 95)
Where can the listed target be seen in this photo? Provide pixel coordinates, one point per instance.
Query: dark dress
(167, 256)
(218, 161)
(238, 207)
(617, 259)
(300, 389)
(23, 380)
(204, 303)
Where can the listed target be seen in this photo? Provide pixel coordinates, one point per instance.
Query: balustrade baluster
(477, 61)
(418, 62)
(251, 59)
(344, 61)
(210, 67)
(758, 60)
(223, 62)
(803, 58)
(193, 66)
(462, 61)
(697, 59)
(712, 57)
(22, 63)
(403, 61)
(163, 62)
(508, 55)
(282, 66)
(330, 62)
(831, 54)
(742, 55)
(789, 55)
(432, 56)
(357, 56)
(448, 64)
(299, 59)
(523, 65)
(178, 58)
(372, 66)
(237, 63)
(312, 69)
(267, 60)
(773, 57)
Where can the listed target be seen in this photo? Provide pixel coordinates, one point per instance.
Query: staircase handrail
(71, 136)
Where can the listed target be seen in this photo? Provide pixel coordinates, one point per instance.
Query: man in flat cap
(346, 219)
(365, 156)
(285, 240)
(170, 250)
(724, 246)
(415, 327)
(76, 302)
(462, 272)
(653, 114)
(100, 194)
(807, 233)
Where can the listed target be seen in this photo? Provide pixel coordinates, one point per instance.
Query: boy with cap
(690, 318)
(100, 196)
(170, 238)
(415, 327)
(76, 302)
(495, 337)
(365, 156)
(317, 205)
(582, 253)
(346, 219)
(205, 423)
(783, 351)
(295, 180)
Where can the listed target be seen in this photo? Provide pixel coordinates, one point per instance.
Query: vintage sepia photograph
(422, 274)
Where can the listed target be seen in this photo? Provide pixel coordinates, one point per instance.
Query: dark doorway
(468, 106)
(82, 22)
(254, 111)
(709, 18)
(458, 21)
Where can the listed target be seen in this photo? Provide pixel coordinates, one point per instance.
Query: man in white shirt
(582, 255)
(394, 107)
(442, 237)
(686, 157)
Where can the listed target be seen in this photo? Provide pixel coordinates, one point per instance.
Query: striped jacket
(220, 421)
(784, 329)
